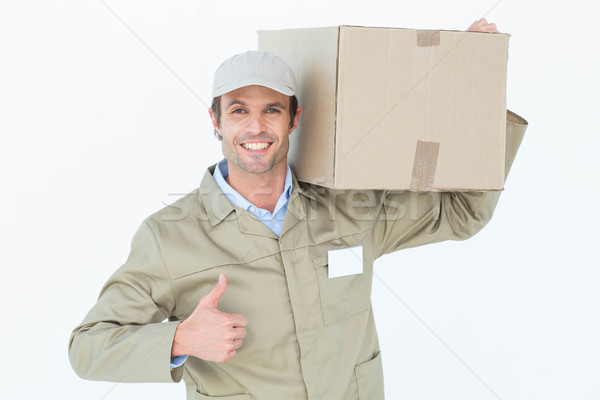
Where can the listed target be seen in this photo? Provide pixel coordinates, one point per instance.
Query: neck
(262, 190)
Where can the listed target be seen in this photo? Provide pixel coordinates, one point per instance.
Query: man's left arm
(410, 219)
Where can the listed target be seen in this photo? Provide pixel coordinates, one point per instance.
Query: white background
(97, 133)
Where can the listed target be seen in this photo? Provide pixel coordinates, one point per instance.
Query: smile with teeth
(256, 146)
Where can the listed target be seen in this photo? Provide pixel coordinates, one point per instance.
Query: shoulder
(176, 211)
(353, 206)
(188, 210)
(179, 219)
(341, 197)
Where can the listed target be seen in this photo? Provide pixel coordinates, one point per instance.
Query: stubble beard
(235, 158)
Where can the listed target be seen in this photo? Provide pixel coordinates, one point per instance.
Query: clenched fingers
(237, 343)
(230, 351)
(238, 320)
(239, 333)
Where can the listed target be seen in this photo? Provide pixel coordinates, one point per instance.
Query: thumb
(212, 298)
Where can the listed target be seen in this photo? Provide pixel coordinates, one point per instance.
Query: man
(274, 326)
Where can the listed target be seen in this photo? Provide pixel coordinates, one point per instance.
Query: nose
(256, 124)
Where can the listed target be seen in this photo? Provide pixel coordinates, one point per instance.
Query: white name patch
(344, 262)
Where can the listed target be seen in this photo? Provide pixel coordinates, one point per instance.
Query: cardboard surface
(400, 109)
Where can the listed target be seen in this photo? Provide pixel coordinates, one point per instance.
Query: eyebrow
(277, 104)
(241, 103)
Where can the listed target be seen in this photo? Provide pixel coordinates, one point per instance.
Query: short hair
(216, 107)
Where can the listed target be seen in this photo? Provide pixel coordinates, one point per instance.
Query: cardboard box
(400, 109)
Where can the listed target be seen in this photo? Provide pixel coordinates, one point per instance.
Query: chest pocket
(346, 296)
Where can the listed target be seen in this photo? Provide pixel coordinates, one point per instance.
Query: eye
(237, 111)
(273, 110)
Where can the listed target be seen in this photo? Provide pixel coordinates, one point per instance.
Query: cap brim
(277, 86)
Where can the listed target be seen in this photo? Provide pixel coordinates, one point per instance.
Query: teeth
(255, 146)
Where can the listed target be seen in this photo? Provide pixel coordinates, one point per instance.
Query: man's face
(255, 125)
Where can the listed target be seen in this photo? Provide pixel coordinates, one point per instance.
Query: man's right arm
(122, 339)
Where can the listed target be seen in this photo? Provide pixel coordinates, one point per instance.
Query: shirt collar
(222, 172)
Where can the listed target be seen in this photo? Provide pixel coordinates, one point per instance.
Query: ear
(296, 119)
(213, 118)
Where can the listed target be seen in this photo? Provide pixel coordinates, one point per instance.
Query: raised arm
(409, 219)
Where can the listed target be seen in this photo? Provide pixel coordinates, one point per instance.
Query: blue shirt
(273, 221)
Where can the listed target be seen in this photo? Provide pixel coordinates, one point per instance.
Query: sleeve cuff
(177, 361)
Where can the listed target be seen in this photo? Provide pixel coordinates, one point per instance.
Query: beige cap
(254, 68)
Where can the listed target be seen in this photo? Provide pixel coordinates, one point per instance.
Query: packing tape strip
(428, 38)
(425, 163)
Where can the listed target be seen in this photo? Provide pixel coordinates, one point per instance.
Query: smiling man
(254, 127)
(290, 315)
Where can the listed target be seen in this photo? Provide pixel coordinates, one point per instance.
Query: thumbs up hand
(208, 333)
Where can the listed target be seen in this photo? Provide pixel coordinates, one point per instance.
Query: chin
(257, 169)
